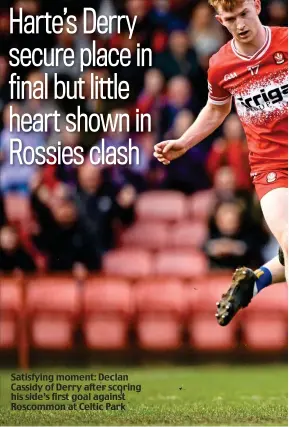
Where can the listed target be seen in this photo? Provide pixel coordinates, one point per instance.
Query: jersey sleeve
(217, 94)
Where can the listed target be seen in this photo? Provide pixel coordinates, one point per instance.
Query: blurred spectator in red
(12, 254)
(230, 243)
(231, 150)
(151, 97)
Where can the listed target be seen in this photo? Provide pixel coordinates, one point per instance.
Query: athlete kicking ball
(253, 69)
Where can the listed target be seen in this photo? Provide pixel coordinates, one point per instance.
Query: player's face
(243, 21)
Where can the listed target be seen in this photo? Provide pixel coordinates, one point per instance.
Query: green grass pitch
(195, 395)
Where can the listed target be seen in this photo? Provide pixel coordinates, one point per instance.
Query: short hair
(227, 5)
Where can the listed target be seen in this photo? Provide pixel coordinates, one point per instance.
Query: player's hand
(167, 151)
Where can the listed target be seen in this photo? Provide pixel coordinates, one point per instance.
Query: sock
(264, 279)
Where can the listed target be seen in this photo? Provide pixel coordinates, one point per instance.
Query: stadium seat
(184, 264)
(188, 234)
(272, 299)
(205, 334)
(161, 309)
(200, 205)
(264, 322)
(127, 263)
(161, 206)
(10, 306)
(108, 306)
(147, 235)
(107, 295)
(106, 332)
(160, 295)
(159, 332)
(265, 334)
(53, 306)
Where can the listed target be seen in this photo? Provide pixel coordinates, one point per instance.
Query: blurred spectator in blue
(15, 174)
(186, 174)
(118, 137)
(162, 17)
(138, 173)
(179, 96)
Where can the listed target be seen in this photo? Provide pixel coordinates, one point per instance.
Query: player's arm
(209, 119)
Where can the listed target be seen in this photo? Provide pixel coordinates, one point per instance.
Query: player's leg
(270, 273)
(275, 210)
(245, 285)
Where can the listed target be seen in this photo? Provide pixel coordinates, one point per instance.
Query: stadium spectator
(4, 86)
(231, 150)
(66, 40)
(101, 206)
(230, 243)
(205, 34)
(15, 174)
(63, 236)
(12, 253)
(163, 18)
(151, 97)
(179, 173)
(277, 13)
(65, 173)
(179, 96)
(178, 59)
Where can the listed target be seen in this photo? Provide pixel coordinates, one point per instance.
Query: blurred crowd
(59, 217)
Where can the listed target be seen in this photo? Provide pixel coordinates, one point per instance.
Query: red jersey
(259, 85)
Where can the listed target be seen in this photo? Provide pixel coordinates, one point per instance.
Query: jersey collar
(259, 52)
